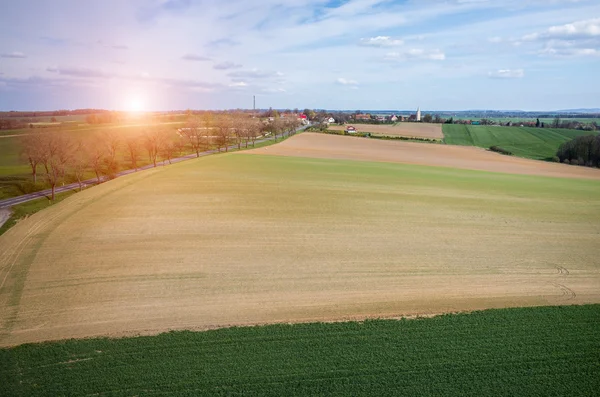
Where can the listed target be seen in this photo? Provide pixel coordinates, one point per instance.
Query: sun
(135, 105)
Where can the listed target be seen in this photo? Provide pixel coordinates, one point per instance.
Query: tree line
(58, 157)
(583, 150)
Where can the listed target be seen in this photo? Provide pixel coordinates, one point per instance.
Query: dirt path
(464, 157)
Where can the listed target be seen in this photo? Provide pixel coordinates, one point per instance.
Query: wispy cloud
(195, 57)
(576, 30)
(227, 66)
(576, 39)
(507, 74)
(416, 54)
(13, 55)
(381, 41)
(79, 72)
(254, 74)
(344, 81)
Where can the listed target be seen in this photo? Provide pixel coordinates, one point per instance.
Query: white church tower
(419, 113)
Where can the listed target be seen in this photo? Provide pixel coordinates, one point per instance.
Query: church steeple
(419, 113)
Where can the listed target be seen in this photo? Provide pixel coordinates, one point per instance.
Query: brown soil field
(239, 239)
(464, 157)
(409, 130)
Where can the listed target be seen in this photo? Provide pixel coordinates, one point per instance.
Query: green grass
(534, 143)
(31, 207)
(547, 120)
(545, 351)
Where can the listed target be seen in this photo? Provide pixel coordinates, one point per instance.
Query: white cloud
(576, 30)
(416, 54)
(562, 51)
(507, 74)
(344, 81)
(239, 84)
(381, 41)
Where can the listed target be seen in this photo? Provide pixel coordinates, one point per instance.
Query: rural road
(7, 203)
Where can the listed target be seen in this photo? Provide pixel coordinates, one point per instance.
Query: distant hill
(592, 110)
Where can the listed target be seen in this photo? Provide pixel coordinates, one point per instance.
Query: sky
(329, 54)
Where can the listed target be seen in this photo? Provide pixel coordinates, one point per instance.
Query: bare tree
(239, 126)
(95, 154)
(193, 134)
(111, 143)
(134, 148)
(255, 129)
(223, 127)
(56, 152)
(31, 144)
(79, 162)
(276, 127)
(167, 150)
(153, 142)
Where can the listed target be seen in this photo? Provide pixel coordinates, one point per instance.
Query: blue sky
(341, 54)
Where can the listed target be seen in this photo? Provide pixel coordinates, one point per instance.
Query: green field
(545, 351)
(547, 120)
(534, 143)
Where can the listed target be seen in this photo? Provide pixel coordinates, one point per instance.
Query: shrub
(566, 161)
(575, 162)
(556, 159)
(498, 149)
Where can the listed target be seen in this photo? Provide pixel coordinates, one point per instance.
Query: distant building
(331, 120)
(350, 130)
(362, 117)
(393, 118)
(418, 114)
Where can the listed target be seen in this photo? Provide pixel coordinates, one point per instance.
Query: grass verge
(544, 351)
(24, 210)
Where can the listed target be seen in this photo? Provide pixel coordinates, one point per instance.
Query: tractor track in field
(563, 271)
(566, 292)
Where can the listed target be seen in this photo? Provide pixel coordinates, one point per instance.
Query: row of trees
(62, 157)
(583, 150)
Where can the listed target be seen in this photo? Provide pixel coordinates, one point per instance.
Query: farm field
(345, 147)
(410, 130)
(528, 142)
(222, 241)
(544, 351)
(547, 120)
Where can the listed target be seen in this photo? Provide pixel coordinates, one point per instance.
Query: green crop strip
(545, 351)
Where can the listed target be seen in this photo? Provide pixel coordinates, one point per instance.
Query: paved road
(7, 203)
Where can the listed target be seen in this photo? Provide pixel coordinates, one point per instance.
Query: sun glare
(134, 105)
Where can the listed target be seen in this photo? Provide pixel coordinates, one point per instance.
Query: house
(350, 130)
(393, 118)
(330, 120)
(362, 117)
(380, 118)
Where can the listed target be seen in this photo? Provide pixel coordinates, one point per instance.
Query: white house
(331, 120)
(350, 130)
